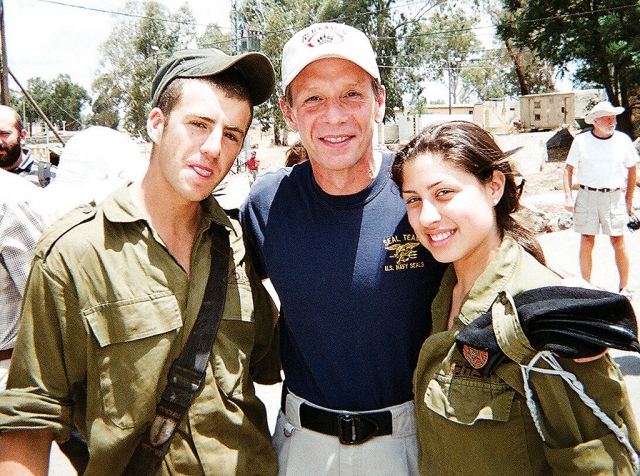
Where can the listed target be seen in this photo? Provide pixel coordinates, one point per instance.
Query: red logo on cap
(477, 358)
(324, 37)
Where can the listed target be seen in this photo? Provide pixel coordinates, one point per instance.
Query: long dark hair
(471, 148)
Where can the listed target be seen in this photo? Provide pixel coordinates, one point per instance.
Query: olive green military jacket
(107, 309)
(470, 424)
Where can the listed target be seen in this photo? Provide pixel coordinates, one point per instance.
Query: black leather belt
(6, 354)
(350, 428)
(584, 187)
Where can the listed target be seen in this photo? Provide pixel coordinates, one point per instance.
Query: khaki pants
(600, 211)
(309, 453)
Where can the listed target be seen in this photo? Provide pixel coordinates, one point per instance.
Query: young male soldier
(115, 290)
(355, 285)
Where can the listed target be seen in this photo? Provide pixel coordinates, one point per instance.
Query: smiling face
(451, 211)
(335, 110)
(196, 144)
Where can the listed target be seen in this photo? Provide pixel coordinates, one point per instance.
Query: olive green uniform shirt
(107, 309)
(470, 424)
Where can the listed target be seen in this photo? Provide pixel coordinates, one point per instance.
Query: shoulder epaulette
(61, 226)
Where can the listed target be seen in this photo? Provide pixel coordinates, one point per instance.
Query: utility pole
(4, 81)
(449, 76)
(235, 24)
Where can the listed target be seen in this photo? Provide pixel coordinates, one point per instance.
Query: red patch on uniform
(477, 358)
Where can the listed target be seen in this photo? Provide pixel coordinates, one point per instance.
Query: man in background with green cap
(115, 289)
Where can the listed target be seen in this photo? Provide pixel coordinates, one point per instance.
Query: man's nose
(213, 143)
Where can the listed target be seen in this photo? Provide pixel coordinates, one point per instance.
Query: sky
(46, 38)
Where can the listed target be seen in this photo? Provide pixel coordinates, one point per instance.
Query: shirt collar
(119, 208)
(491, 281)
(26, 162)
(485, 289)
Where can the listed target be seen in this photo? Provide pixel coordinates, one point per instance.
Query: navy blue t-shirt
(354, 284)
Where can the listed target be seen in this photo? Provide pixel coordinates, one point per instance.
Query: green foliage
(213, 37)
(495, 74)
(442, 47)
(61, 100)
(67, 101)
(130, 57)
(419, 106)
(600, 38)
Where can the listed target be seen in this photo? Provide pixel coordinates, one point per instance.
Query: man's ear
(380, 108)
(288, 114)
(23, 137)
(155, 124)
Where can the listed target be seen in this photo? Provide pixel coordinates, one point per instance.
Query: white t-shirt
(602, 163)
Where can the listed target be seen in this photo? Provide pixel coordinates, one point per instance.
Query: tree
(527, 73)
(131, 56)
(487, 76)
(67, 102)
(61, 100)
(441, 47)
(599, 37)
(213, 37)
(40, 90)
(106, 106)
(501, 73)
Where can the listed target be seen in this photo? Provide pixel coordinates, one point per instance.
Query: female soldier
(460, 193)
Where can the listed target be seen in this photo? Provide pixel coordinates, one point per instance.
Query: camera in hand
(634, 223)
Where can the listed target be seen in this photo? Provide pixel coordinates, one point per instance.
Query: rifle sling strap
(187, 372)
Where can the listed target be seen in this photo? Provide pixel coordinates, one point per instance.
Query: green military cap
(256, 69)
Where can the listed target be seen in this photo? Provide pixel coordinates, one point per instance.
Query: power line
(355, 16)
(125, 14)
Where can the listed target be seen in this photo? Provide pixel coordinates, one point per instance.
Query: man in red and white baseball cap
(355, 286)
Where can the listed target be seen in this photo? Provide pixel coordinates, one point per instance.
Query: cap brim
(255, 67)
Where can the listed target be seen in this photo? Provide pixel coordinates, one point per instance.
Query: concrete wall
(409, 126)
(555, 110)
(497, 115)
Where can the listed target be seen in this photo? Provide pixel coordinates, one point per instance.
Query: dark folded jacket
(570, 322)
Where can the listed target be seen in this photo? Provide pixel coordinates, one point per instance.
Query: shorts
(595, 211)
(303, 451)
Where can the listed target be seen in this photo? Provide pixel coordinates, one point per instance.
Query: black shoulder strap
(187, 372)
